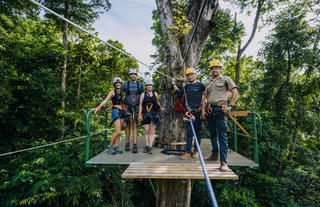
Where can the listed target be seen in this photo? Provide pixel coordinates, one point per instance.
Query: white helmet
(117, 80)
(133, 71)
(149, 82)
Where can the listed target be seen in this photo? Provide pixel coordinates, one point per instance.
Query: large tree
(175, 17)
(177, 20)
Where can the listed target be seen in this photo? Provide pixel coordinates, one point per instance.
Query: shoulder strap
(138, 87)
(128, 90)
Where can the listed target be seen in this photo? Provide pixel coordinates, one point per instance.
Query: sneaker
(134, 148)
(117, 150)
(150, 150)
(145, 149)
(186, 155)
(224, 167)
(127, 148)
(195, 154)
(211, 158)
(110, 150)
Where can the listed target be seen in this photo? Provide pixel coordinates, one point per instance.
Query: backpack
(179, 105)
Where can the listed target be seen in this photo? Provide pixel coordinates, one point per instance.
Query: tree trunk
(173, 193)
(78, 91)
(64, 68)
(238, 64)
(173, 122)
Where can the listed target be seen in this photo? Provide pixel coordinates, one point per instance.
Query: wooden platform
(177, 171)
(127, 158)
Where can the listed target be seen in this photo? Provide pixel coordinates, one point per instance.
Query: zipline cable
(86, 31)
(47, 145)
(189, 45)
(194, 30)
(213, 199)
(89, 33)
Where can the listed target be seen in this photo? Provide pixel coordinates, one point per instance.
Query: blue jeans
(217, 126)
(197, 124)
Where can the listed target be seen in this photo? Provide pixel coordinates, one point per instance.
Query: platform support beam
(171, 193)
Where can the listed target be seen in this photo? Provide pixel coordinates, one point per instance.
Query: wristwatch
(230, 105)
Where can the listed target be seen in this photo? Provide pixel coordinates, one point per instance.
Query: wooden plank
(176, 171)
(240, 126)
(240, 113)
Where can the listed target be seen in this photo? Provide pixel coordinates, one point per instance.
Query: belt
(117, 108)
(222, 103)
(196, 110)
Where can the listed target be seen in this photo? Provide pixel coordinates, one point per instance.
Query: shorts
(117, 114)
(132, 113)
(150, 117)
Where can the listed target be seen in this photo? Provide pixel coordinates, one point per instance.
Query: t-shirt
(194, 94)
(132, 94)
(217, 90)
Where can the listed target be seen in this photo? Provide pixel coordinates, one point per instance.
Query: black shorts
(148, 118)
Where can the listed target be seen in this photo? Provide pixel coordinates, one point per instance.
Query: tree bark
(173, 123)
(78, 90)
(238, 64)
(173, 192)
(64, 67)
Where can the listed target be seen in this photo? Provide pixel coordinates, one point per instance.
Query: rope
(205, 172)
(89, 33)
(47, 145)
(189, 45)
(194, 30)
(86, 31)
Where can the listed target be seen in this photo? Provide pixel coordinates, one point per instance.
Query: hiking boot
(145, 149)
(186, 155)
(134, 148)
(150, 150)
(195, 154)
(117, 150)
(224, 167)
(127, 148)
(110, 150)
(211, 158)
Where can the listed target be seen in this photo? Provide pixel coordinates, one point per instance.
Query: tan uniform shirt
(217, 90)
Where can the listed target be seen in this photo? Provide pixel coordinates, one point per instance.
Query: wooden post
(171, 193)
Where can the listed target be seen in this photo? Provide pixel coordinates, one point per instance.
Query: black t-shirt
(194, 94)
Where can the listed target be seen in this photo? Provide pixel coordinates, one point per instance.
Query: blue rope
(209, 186)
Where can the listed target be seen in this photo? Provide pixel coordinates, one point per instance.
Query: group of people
(205, 103)
(136, 106)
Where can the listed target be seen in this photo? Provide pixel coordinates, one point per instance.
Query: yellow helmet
(190, 70)
(215, 63)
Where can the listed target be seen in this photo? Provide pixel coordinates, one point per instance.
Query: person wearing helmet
(132, 89)
(148, 114)
(215, 97)
(194, 92)
(117, 115)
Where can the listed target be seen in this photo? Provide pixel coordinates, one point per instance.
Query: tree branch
(255, 26)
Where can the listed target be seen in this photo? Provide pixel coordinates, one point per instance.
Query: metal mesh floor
(234, 159)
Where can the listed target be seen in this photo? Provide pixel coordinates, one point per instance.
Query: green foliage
(30, 56)
(81, 12)
(283, 86)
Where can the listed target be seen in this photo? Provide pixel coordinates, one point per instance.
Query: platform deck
(177, 171)
(127, 158)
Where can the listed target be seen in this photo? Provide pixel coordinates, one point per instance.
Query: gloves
(97, 109)
(173, 82)
(139, 117)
